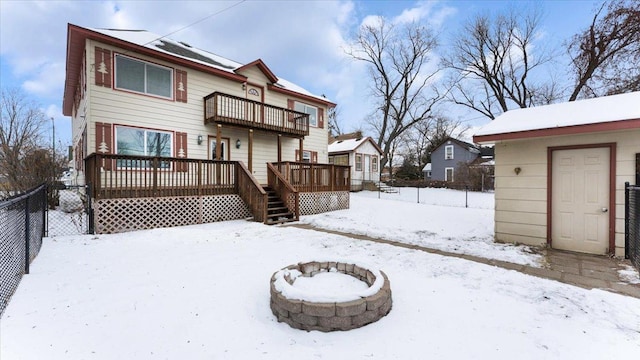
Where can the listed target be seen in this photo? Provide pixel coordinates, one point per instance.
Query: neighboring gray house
(445, 158)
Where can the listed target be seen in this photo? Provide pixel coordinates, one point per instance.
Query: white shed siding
(125, 108)
(521, 200)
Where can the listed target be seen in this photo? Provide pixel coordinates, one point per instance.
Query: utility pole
(53, 157)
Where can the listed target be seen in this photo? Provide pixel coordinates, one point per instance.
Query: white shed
(560, 172)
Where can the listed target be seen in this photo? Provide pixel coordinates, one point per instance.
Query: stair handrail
(251, 193)
(284, 190)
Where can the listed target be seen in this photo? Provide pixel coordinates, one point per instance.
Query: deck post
(250, 150)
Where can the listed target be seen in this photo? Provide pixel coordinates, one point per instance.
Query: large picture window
(308, 109)
(143, 142)
(143, 77)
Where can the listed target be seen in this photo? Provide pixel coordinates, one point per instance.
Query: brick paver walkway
(586, 271)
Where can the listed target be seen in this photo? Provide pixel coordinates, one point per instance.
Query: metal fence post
(26, 236)
(626, 220)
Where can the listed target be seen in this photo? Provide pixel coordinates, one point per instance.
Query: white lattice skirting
(320, 202)
(128, 214)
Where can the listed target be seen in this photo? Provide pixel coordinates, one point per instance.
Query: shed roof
(350, 145)
(605, 113)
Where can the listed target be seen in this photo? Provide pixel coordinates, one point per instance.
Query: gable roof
(351, 145)
(469, 146)
(616, 112)
(177, 52)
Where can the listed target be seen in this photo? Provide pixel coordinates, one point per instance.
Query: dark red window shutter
(314, 156)
(181, 86)
(321, 118)
(181, 150)
(290, 106)
(102, 67)
(298, 155)
(104, 141)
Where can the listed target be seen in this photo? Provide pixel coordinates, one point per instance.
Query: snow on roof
(184, 50)
(581, 112)
(427, 167)
(346, 145)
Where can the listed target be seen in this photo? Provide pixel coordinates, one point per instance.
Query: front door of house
(580, 200)
(367, 168)
(224, 149)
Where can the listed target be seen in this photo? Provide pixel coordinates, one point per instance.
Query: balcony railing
(313, 177)
(228, 109)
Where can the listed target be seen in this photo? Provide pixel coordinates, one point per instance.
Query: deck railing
(229, 109)
(252, 193)
(285, 190)
(313, 177)
(124, 176)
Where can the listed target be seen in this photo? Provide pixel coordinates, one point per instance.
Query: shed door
(580, 200)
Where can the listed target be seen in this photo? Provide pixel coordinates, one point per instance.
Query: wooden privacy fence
(313, 177)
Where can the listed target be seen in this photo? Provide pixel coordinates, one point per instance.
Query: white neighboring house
(362, 154)
(426, 171)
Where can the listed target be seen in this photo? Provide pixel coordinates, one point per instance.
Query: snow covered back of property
(599, 110)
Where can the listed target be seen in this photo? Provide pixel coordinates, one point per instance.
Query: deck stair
(386, 188)
(277, 211)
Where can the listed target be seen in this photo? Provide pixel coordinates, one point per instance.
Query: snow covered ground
(202, 292)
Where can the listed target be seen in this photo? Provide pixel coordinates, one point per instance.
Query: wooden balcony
(228, 109)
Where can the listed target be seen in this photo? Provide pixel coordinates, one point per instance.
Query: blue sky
(300, 41)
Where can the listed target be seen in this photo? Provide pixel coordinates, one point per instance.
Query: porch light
(199, 139)
(238, 144)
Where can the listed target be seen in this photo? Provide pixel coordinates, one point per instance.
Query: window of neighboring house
(143, 77)
(448, 152)
(448, 174)
(308, 109)
(142, 142)
(374, 164)
(358, 162)
(428, 174)
(341, 159)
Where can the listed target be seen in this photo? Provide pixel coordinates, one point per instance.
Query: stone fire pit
(332, 312)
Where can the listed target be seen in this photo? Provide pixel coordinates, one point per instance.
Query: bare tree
(20, 137)
(334, 125)
(493, 62)
(398, 57)
(605, 56)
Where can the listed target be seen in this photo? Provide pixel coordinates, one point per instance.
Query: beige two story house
(158, 123)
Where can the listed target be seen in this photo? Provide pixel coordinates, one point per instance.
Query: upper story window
(143, 77)
(308, 109)
(448, 152)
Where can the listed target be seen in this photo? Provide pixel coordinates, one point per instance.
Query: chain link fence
(22, 226)
(632, 224)
(71, 215)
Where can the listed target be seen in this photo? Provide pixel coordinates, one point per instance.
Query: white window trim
(147, 63)
(355, 158)
(446, 171)
(446, 152)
